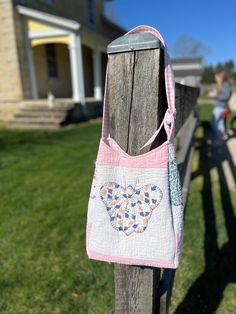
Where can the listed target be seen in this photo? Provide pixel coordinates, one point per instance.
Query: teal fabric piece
(174, 180)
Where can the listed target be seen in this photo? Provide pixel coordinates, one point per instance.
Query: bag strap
(168, 120)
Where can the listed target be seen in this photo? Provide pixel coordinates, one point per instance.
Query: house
(188, 71)
(53, 46)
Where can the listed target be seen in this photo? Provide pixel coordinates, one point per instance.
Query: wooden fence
(137, 103)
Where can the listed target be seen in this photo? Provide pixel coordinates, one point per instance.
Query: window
(22, 2)
(51, 61)
(48, 2)
(90, 12)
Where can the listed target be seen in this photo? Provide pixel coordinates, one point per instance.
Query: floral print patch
(130, 209)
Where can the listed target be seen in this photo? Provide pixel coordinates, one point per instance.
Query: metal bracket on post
(134, 42)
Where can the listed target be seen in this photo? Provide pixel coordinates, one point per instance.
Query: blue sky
(212, 22)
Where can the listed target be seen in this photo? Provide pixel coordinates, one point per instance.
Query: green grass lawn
(45, 180)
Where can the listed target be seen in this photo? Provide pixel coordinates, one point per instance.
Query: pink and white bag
(135, 212)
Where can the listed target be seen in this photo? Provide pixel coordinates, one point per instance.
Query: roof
(187, 66)
(112, 24)
(48, 18)
(186, 60)
(184, 73)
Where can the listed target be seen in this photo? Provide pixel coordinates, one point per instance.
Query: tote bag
(135, 210)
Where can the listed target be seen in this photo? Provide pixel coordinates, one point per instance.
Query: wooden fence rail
(137, 103)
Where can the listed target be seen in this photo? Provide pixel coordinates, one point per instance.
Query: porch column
(29, 55)
(97, 74)
(76, 62)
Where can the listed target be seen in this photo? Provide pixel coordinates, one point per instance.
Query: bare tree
(186, 46)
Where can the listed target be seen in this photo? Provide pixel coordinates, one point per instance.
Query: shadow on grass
(206, 293)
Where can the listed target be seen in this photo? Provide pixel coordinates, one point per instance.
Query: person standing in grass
(221, 98)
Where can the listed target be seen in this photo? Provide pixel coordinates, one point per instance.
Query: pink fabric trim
(105, 120)
(111, 154)
(123, 260)
(128, 261)
(168, 123)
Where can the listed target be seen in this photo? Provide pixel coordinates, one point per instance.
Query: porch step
(39, 113)
(59, 107)
(39, 116)
(37, 119)
(33, 126)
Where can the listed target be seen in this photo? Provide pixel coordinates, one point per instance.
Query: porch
(62, 60)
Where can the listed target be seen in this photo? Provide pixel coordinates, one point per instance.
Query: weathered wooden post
(137, 103)
(137, 106)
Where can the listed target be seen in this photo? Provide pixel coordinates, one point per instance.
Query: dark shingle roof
(186, 60)
(183, 73)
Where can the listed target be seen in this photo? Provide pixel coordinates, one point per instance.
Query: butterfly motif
(130, 209)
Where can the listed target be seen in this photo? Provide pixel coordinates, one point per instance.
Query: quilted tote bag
(135, 211)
